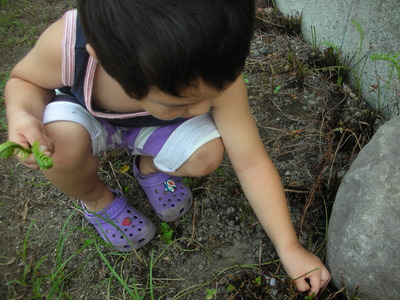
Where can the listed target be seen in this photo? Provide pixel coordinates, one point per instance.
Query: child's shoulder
(235, 94)
(42, 65)
(50, 41)
(53, 33)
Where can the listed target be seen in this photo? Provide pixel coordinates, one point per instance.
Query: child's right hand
(25, 129)
(309, 272)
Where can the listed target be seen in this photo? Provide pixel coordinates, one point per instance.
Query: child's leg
(202, 162)
(75, 168)
(76, 135)
(192, 148)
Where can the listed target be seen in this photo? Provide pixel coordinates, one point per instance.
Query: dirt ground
(312, 129)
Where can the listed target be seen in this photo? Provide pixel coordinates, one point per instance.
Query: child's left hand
(301, 265)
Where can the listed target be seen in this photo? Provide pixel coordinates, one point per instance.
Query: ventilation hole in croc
(127, 246)
(133, 226)
(130, 234)
(179, 199)
(117, 220)
(128, 211)
(173, 205)
(108, 230)
(164, 205)
(141, 222)
(182, 193)
(121, 237)
(156, 191)
(126, 229)
(139, 229)
(169, 200)
(135, 217)
(141, 240)
(113, 235)
(165, 192)
(160, 198)
(182, 210)
(173, 195)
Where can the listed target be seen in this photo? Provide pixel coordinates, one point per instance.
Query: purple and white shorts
(170, 145)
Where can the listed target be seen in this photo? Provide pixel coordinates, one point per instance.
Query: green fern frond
(43, 161)
(8, 149)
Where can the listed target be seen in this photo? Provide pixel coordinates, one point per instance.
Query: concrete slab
(360, 29)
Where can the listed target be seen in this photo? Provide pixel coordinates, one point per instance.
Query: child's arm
(262, 185)
(30, 88)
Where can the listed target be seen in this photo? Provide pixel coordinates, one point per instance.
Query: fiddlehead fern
(43, 161)
(8, 149)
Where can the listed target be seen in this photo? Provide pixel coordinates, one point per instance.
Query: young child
(163, 80)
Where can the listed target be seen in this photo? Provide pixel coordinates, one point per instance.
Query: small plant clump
(166, 233)
(251, 286)
(9, 148)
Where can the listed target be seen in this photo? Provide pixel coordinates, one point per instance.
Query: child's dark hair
(169, 44)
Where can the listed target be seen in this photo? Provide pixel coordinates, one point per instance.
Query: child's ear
(90, 50)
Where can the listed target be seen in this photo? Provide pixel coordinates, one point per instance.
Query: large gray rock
(363, 247)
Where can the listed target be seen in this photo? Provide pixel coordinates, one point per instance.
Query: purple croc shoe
(168, 195)
(121, 225)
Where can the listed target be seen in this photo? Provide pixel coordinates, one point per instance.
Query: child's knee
(206, 159)
(72, 144)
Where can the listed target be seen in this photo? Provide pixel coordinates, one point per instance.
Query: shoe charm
(170, 186)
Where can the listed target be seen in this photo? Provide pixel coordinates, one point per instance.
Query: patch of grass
(222, 278)
(271, 19)
(13, 30)
(335, 67)
(3, 80)
(393, 61)
(133, 292)
(17, 29)
(34, 280)
(142, 285)
(331, 61)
